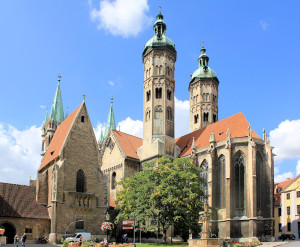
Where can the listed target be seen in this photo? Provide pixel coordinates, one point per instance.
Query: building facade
(290, 208)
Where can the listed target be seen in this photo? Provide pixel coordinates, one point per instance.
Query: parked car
(75, 237)
(284, 236)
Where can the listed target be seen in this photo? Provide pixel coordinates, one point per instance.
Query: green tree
(163, 194)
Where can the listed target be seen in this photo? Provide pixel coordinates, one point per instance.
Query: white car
(75, 237)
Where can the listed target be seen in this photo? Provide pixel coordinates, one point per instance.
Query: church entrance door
(10, 232)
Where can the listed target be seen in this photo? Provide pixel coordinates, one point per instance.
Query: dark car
(286, 236)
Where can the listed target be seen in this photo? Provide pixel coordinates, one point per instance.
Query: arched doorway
(10, 232)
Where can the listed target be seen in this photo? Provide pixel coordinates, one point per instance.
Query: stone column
(229, 191)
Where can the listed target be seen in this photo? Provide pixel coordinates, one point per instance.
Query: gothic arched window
(113, 180)
(222, 182)
(239, 178)
(204, 175)
(259, 163)
(80, 181)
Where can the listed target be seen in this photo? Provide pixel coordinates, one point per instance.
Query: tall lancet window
(239, 177)
(80, 181)
(259, 171)
(113, 180)
(222, 182)
(204, 175)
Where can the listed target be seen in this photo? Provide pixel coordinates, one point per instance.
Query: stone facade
(72, 185)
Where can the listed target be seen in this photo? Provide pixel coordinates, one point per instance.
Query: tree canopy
(163, 193)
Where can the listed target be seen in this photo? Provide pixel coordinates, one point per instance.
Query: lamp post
(107, 217)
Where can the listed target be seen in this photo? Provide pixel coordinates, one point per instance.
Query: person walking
(80, 241)
(24, 237)
(16, 240)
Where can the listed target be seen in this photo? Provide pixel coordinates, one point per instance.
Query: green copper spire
(57, 111)
(203, 71)
(100, 137)
(111, 124)
(47, 117)
(67, 113)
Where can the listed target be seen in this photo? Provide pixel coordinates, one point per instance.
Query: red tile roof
(280, 186)
(20, 201)
(237, 124)
(130, 144)
(58, 140)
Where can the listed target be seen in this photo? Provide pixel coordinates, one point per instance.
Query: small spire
(47, 116)
(159, 16)
(84, 98)
(203, 58)
(212, 137)
(57, 111)
(67, 113)
(193, 144)
(100, 137)
(111, 124)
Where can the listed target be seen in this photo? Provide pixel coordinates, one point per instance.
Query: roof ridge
(127, 134)
(18, 184)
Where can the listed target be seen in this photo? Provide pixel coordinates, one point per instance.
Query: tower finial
(203, 43)
(84, 97)
(59, 77)
(159, 16)
(111, 99)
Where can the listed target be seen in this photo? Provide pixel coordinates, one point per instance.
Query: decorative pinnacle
(159, 16)
(84, 97)
(202, 43)
(111, 99)
(59, 76)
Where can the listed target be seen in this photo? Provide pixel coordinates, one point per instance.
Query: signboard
(127, 227)
(127, 222)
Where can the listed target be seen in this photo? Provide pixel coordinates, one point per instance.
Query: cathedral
(77, 177)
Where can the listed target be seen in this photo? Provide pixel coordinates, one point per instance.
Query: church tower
(159, 59)
(51, 122)
(203, 90)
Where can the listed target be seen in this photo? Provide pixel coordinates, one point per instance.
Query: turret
(203, 90)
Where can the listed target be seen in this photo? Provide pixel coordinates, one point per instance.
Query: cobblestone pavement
(290, 243)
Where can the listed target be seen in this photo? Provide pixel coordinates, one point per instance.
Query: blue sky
(97, 47)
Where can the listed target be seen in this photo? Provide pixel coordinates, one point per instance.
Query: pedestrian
(24, 237)
(80, 241)
(16, 240)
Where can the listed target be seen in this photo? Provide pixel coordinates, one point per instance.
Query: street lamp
(107, 217)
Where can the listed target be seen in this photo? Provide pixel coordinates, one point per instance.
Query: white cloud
(182, 117)
(111, 83)
(285, 138)
(298, 168)
(283, 177)
(132, 127)
(42, 106)
(20, 153)
(122, 17)
(276, 170)
(264, 24)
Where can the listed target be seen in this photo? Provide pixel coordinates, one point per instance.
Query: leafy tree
(163, 194)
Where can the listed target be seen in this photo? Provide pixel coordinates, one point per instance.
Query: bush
(64, 242)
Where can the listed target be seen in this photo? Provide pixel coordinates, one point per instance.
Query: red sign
(127, 227)
(127, 222)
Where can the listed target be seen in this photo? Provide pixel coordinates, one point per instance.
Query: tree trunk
(165, 235)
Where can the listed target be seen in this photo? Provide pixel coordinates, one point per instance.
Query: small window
(169, 94)
(80, 224)
(288, 210)
(279, 227)
(289, 226)
(82, 119)
(148, 95)
(288, 196)
(205, 117)
(158, 92)
(215, 118)
(113, 180)
(196, 118)
(28, 230)
(298, 209)
(298, 194)
(279, 212)
(80, 181)
(277, 190)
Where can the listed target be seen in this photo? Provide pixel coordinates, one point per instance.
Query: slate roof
(20, 201)
(58, 140)
(280, 186)
(237, 125)
(130, 144)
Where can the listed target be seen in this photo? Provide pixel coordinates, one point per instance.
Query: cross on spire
(111, 99)
(202, 43)
(59, 76)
